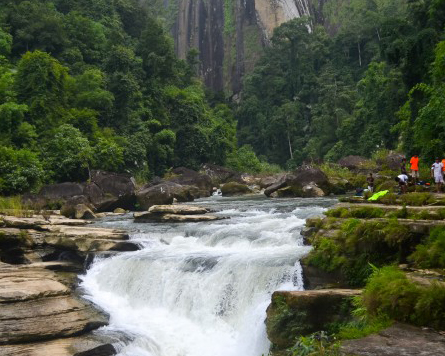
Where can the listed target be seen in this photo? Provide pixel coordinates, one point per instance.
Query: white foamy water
(202, 289)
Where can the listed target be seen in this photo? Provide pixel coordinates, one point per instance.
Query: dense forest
(371, 78)
(95, 84)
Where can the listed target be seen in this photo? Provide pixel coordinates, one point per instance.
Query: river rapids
(202, 289)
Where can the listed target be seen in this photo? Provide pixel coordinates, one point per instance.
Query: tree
(41, 84)
(68, 155)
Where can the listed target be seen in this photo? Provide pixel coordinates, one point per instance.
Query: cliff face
(230, 34)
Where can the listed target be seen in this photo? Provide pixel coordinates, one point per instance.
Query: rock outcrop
(353, 162)
(397, 340)
(300, 313)
(189, 178)
(35, 306)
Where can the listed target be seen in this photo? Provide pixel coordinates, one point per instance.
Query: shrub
(359, 243)
(390, 293)
(431, 254)
(20, 171)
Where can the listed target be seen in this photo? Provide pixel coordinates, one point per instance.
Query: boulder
(219, 174)
(178, 209)
(397, 340)
(234, 188)
(391, 161)
(305, 175)
(119, 211)
(291, 184)
(266, 182)
(108, 191)
(61, 191)
(311, 190)
(292, 314)
(353, 162)
(188, 177)
(69, 208)
(162, 194)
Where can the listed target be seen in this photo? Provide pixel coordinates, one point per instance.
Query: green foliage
(431, 254)
(390, 293)
(357, 244)
(20, 170)
(319, 343)
(91, 84)
(364, 212)
(68, 155)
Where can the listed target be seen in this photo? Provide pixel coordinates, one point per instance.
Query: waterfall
(202, 289)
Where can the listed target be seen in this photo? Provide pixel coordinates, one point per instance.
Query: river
(202, 289)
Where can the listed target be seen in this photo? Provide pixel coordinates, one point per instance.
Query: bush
(365, 212)
(431, 254)
(390, 293)
(357, 244)
(20, 171)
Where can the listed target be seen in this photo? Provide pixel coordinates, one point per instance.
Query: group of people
(437, 173)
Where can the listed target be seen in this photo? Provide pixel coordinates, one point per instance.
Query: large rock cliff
(230, 34)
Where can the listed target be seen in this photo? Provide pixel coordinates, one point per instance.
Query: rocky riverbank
(390, 259)
(41, 310)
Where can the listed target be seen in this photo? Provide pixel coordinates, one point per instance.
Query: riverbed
(202, 289)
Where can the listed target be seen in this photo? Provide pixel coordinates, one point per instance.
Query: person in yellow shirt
(415, 168)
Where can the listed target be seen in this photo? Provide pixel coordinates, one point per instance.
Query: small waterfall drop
(202, 289)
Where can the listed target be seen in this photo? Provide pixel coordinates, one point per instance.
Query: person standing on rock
(437, 174)
(443, 169)
(415, 168)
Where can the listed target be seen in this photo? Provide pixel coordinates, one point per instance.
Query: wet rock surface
(397, 340)
(175, 213)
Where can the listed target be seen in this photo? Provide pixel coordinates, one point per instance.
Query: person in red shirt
(443, 169)
(415, 168)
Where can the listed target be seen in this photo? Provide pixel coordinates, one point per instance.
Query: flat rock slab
(38, 222)
(178, 209)
(73, 346)
(149, 217)
(20, 284)
(397, 340)
(87, 232)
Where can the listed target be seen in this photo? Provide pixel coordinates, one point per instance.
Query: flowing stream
(202, 289)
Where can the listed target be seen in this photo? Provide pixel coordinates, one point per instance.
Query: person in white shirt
(402, 179)
(436, 173)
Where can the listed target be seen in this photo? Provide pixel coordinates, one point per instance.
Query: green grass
(391, 294)
(14, 206)
(431, 254)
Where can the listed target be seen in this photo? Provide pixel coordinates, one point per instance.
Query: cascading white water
(202, 289)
